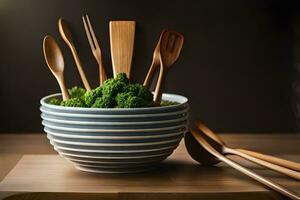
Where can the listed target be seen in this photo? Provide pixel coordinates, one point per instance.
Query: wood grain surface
(122, 35)
(48, 176)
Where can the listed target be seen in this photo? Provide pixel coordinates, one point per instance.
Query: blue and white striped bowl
(115, 140)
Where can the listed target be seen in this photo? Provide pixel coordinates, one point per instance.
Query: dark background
(236, 67)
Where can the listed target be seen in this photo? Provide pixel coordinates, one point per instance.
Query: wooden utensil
(67, 37)
(198, 153)
(220, 144)
(275, 160)
(122, 35)
(94, 47)
(270, 159)
(284, 191)
(155, 63)
(55, 62)
(170, 48)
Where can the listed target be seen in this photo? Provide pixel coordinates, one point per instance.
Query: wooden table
(30, 169)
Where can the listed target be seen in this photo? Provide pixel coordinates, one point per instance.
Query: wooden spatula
(121, 45)
(170, 48)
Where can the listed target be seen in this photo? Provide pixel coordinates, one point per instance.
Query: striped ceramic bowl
(116, 140)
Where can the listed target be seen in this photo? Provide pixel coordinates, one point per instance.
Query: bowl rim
(115, 116)
(43, 102)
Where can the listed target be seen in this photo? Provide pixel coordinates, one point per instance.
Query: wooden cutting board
(179, 177)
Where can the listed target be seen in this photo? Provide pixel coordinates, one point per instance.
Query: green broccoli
(122, 77)
(54, 101)
(121, 99)
(115, 92)
(73, 102)
(134, 102)
(112, 87)
(104, 102)
(76, 92)
(91, 96)
(128, 100)
(140, 91)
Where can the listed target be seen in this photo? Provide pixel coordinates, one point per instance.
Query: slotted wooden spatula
(121, 45)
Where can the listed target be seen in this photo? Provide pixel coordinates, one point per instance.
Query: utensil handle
(62, 85)
(280, 169)
(259, 178)
(102, 73)
(160, 82)
(244, 170)
(272, 159)
(80, 69)
(150, 74)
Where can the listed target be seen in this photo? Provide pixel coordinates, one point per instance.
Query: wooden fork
(94, 47)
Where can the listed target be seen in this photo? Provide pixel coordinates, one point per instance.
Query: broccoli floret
(140, 91)
(112, 87)
(115, 92)
(91, 96)
(128, 100)
(73, 102)
(76, 92)
(54, 101)
(122, 77)
(133, 88)
(134, 102)
(145, 94)
(104, 102)
(121, 99)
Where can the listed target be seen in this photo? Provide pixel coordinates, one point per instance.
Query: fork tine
(92, 32)
(88, 33)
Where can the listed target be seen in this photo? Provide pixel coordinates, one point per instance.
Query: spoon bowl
(197, 152)
(55, 62)
(53, 55)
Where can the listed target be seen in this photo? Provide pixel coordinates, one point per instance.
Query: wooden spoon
(217, 142)
(267, 158)
(122, 35)
(198, 153)
(55, 62)
(170, 48)
(67, 37)
(211, 150)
